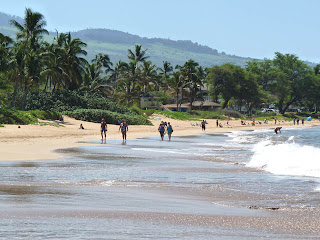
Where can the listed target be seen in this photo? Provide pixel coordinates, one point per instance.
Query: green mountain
(116, 43)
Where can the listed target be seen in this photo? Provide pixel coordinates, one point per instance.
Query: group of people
(297, 121)
(164, 128)
(123, 127)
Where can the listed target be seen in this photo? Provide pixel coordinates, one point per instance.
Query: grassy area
(12, 116)
(196, 115)
(50, 124)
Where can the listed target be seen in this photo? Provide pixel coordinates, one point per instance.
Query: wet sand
(195, 187)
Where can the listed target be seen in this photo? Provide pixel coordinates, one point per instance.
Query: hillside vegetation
(116, 43)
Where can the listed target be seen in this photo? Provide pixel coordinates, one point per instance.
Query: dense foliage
(36, 74)
(95, 115)
(10, 116)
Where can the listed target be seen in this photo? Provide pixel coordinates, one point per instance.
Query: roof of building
(205, 104)
(175, 106)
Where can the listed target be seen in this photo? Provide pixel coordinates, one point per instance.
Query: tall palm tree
(74, 63)
(165, 72)
(176, 84)
(103, 60)
(193, 78)
(148, 76)
(138, 55)
(29, 33)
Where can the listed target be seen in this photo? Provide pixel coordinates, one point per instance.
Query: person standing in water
(124, 129)
(277, 129)
(103, 129)
(161, 130)
(169, 130)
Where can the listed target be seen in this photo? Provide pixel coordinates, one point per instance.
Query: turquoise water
(194, 187)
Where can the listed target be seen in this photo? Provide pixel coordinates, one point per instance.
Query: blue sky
(249, 28)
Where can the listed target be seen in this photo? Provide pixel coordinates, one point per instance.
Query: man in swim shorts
(124, 128)
(103, 129)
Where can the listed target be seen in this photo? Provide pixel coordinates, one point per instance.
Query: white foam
(286, 159)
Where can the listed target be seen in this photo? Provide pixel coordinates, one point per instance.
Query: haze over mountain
(116, 43)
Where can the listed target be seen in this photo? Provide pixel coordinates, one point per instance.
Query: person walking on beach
(294, 121)
(103, 129)
(217, 122)
(298, 121)
(169, 130)
(124, 129)
(203, 125)
(275, 121)
(302, 121)
(161, 130)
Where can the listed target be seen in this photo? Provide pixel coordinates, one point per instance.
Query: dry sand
(36, 142)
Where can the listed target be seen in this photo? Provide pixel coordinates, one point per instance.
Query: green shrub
(12, 116)
(95, 115)
(45, 115)
(137, 110)
(162, 97)
(231, 113)
(65, 100)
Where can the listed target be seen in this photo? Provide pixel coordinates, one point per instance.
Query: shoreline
(36, 142)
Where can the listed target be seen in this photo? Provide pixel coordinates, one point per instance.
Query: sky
(247, 28)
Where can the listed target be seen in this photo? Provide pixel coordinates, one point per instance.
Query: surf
(287, 158)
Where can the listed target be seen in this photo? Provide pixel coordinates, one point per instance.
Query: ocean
(238, 185)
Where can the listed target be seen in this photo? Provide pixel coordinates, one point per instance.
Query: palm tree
(165, 72)
(103, 60)
(127, 91)
(176, 84)
(148, 76)
(94, 81)
(74, 64)
(29, 33)
(193, 78)
(137, 56)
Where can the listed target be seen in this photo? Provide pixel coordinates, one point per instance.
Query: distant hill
(116, 43)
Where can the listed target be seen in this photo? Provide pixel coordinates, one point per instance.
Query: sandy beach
(38, 142)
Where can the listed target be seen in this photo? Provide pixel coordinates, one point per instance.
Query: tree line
(31, 64)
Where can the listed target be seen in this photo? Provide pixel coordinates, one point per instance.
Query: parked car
(267, 110)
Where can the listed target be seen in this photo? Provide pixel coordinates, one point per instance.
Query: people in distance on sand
(298, 121)
(81, 126)
(169, 130)
(220, 125)
(294, 121)
(217, 122)
(162, 129)
(124, 129)
(203, 125)
(277, 129)
(103, 129)
(275, 121)
(302, 121)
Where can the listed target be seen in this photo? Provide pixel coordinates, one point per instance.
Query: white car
(266, 110)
